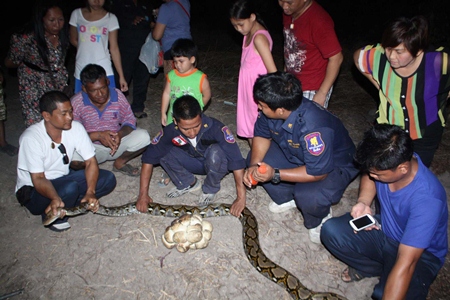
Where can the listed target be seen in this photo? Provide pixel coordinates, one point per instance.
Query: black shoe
(140, 115)
(60, 227)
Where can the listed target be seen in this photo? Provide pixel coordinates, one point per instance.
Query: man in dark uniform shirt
(193, 144)
(307, 152)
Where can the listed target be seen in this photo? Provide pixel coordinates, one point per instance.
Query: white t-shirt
(193, 142)
(93, 41)
(36, 154)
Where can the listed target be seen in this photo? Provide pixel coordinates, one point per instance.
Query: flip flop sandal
(128, 170)
(164, 181)
(351, 273)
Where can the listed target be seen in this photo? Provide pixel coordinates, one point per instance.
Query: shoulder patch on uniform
(158, 137)
(314, 143)
(228, 135)
(179, 141)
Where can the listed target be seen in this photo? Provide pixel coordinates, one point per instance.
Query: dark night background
(356, 21)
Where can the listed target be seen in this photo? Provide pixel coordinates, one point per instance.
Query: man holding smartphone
(410, 249)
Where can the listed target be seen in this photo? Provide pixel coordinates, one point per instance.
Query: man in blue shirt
(409, 247)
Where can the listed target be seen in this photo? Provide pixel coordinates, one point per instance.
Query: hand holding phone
(363, 222)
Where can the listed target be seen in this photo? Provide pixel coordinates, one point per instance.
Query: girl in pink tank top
(256, 59)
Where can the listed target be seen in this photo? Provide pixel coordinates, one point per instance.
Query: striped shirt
(412, 102)
(114, 116)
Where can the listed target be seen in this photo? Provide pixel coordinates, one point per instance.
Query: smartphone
(363, 222)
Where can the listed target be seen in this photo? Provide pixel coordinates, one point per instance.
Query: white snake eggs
(187, 232)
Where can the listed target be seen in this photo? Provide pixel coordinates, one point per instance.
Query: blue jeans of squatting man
(372, 253)
(72, 188)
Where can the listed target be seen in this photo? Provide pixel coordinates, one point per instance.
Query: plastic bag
(151, 54)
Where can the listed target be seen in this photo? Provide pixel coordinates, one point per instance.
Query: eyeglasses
(62, 149)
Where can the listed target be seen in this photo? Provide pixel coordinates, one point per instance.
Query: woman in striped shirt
(413, 82)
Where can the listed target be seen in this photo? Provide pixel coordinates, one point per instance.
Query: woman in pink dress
(256, 59)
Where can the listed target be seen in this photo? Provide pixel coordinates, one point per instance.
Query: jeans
(71, 189)
(372, 253)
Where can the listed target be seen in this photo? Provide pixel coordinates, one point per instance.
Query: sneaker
(275, 208)
(314, 233)
(173, 193)
(206, 199)
(60, 227)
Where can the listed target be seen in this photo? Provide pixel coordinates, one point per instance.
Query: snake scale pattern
(252, 249)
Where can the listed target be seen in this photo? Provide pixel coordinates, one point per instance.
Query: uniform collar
(206, 124)
(289, 123)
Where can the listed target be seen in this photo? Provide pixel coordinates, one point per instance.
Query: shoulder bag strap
(182, 8)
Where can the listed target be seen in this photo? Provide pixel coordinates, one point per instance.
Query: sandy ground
(124, 258)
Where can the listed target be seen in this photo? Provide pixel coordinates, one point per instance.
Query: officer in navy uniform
(193, 144)
(306, 152)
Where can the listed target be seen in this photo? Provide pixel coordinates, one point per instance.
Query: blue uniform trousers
(372, 253)
(71, 189)
(314, 199)
(181, 167)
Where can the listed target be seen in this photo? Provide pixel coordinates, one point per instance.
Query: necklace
(297, 15)
(53, 143)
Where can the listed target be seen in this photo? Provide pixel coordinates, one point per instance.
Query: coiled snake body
(252, 249)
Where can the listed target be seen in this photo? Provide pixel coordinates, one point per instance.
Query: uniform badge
(158, 137)
(179, 141)
(314, 143)
(228, 135)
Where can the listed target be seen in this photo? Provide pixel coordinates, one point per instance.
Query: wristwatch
(276, 176)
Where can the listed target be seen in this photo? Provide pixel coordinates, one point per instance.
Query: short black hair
(278, 90)
(184, 47)
(413, 33)
(91, 73)
(186, 108)
(384, 147)
(48, 101)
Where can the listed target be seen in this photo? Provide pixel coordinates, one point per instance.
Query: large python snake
(252, 249)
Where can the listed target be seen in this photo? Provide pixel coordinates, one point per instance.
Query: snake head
(50, 217)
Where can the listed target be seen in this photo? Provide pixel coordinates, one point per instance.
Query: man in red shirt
(311, 49)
